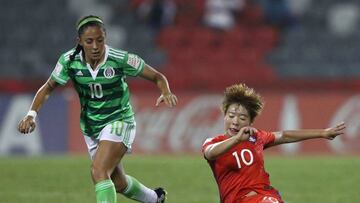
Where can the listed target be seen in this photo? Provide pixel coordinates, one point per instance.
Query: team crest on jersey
(109, 72)
(252, 139)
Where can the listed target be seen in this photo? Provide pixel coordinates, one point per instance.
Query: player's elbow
(209, 156)
(208, 153)
(159, 77)
(287, 139)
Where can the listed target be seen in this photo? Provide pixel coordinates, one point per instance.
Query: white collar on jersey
(95, 72)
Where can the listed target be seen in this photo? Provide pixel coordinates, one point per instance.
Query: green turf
(66, 179)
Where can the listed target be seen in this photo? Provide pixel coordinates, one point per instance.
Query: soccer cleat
(161, 193)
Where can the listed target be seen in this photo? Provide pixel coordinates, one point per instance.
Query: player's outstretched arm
(27, 124)
(215, 150)
(161, 82)
(289, 136)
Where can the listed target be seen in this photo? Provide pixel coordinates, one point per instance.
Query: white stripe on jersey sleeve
(117, 51)
(69, 53)
(116, 55)
(209, 147)
(59, 80)
(208, 140)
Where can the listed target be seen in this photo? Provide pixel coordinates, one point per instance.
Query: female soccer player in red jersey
(236, 157)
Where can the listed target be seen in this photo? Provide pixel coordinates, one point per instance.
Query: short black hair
(246, 97)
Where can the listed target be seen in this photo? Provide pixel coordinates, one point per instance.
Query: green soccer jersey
(103, 92)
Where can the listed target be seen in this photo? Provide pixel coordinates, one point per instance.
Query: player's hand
(332, 132)
(27, 125)
(245, 133)
(169, 99)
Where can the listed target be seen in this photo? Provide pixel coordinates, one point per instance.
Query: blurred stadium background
(301, 55)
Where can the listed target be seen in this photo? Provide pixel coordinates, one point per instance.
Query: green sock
(137, 191)
(105, 192)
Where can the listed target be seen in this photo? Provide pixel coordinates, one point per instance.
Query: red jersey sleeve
(265, 137)
(211, 141)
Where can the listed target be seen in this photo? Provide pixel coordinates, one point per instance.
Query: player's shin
(105, 192)
(137, 191)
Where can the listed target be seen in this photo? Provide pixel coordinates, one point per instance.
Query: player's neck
(94, 62)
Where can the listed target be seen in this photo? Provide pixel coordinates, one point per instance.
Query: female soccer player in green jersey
(107, 121)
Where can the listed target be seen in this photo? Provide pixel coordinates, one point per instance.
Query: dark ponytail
(77, 50)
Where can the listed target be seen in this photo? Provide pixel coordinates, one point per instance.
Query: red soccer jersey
(241, 169)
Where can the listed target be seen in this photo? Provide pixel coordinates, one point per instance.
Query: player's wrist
(32, 113)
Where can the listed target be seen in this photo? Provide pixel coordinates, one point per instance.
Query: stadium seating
(192, 55)
(312, 51)
(211, 59)
(34, 33)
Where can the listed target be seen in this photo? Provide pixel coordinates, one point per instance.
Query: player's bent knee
(99, 173)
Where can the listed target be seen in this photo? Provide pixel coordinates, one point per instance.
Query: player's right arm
(59, 76)
(27, 124)
(215, 150)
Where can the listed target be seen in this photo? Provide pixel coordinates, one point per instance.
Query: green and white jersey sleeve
(132, 65)
(60, 72)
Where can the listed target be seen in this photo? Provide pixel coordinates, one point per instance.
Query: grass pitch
(188, 179)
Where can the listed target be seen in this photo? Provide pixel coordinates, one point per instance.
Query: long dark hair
(81, 25)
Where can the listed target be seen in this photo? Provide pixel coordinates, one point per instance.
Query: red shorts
(259, 198)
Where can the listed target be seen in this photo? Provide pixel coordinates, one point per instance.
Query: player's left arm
(162, 83)
(289, 136)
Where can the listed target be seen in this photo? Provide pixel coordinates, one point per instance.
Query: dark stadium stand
(34, 33)
(192, 55)
(313, 51)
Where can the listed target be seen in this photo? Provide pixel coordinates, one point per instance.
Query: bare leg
(107, 164)
(107, 157)
(119, 179)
